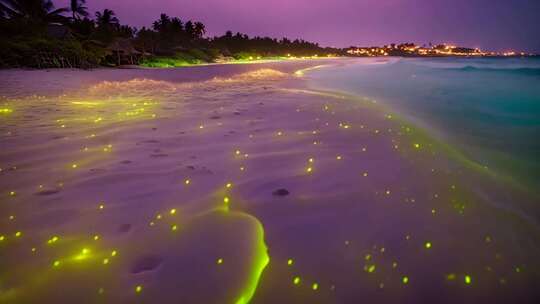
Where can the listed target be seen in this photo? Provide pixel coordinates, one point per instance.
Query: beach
(242, 183)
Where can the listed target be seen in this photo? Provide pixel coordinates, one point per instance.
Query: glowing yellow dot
(201, 127)
(451, 277)
(74, 166)
(309, 169)
(417, 146)
(114, 253)
(173, 211)
(315, 286)
(311, 160)
(2, 238)
(12, 193)
(279, 133)
(387, 192)
(371, 269)
(427, 245)
(138, 288)
(405, 280)
(219, 261)
(226, 200)
(101, 207)
(187, 182)
(105, 261)
(296, 280)
(365, 174)
(174, 228)
(338, 157)
(158, 217)
(237, 152)
(54, 239)
(242, 168)
(96, 237)
(228, 185)
(56, 263)
(468, 279)
(18, 234)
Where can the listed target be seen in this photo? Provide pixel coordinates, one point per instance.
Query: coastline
(507, 189)
(359, 181)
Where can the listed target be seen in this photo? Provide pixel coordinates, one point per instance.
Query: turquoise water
(488, 108)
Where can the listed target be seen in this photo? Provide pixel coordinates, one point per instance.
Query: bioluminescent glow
(103, 188)
(258, 264)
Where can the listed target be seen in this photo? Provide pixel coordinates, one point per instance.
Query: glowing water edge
(488, 107)
(240, 184)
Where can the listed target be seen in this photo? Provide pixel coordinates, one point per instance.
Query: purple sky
(489, 24)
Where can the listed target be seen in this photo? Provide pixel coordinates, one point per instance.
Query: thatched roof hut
(124, 51)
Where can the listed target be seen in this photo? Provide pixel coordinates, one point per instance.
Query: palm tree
(199, 29)
(39, 11)
(162, 24)
(189, 29)
(107, 18)
(78, 9)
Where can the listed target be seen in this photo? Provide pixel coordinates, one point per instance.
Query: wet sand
(237, 184)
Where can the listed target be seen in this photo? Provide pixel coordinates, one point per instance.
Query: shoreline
(142, 67)
(261, 61)
(490, 178)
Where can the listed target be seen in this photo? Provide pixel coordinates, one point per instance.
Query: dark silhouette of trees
(107, 26)
(147, 40)
(199, 30)
(162, 24)
(32, 11)
(172, 33)
(107, 18)
(189, 30)
(78, 9)
(28, 29)
(265, 46)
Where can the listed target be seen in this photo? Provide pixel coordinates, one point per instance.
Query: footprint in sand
(124, 228)
(146, 263)
(48, 192)
(281, 192)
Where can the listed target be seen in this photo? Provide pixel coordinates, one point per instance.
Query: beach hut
(123, 51)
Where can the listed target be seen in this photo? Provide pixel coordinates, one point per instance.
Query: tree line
(34, 33)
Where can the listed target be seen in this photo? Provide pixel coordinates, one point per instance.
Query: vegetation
(33, 33)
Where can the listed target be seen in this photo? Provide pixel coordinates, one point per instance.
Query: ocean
(487, 108)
